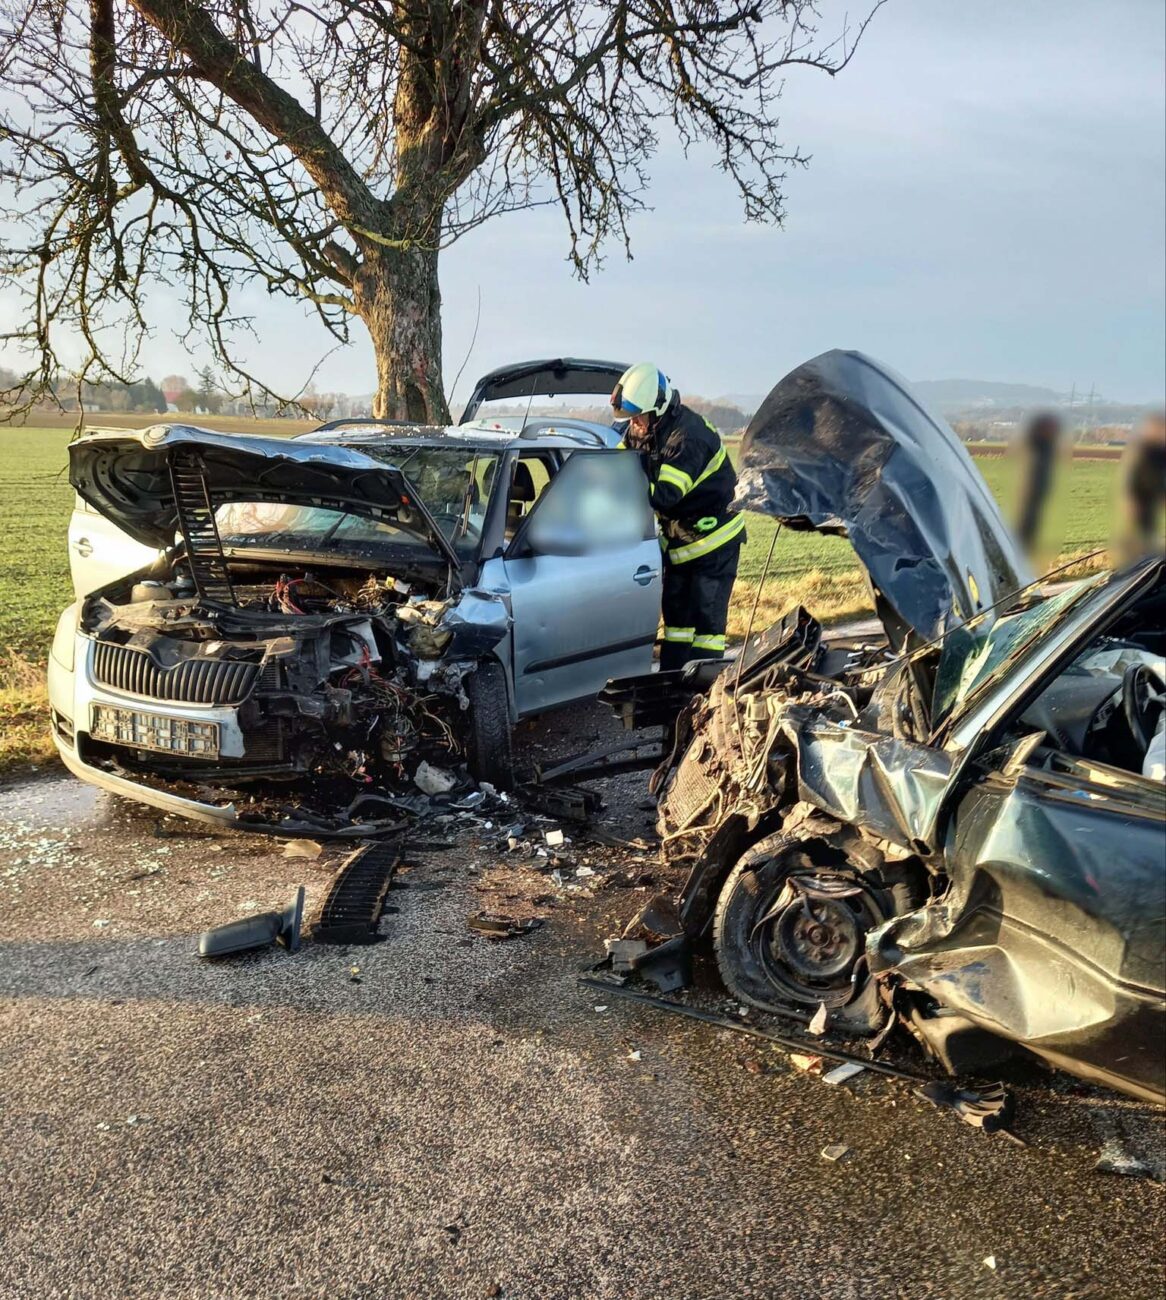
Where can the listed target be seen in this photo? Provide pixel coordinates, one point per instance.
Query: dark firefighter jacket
(691, 482)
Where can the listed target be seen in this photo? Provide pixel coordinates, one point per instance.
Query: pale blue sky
(986, 199)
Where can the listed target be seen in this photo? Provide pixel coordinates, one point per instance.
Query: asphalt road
(444, 1115)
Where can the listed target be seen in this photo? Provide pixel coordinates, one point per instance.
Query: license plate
(153, 731)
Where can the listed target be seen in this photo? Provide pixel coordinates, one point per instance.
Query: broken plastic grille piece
(356, 898)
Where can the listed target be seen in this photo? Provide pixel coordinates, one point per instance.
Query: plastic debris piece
(555, 837)
(495, 926)
(624, 953)
(310, 849)
(990, 1109)
(810, 1064)
(433, 780)
(818, 1024)
(584, 872)
(1115, 1159)
(835, 1152)
(989, 1261)
(840, 1073)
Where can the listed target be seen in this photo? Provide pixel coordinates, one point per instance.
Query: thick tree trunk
(398, 298)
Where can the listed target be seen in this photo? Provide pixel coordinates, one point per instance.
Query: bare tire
(790, 930)
(489, 751)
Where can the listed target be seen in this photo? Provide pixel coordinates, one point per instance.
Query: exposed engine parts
(319, 675)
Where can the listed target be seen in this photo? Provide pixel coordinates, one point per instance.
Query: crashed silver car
(961, 828)
(285, 633)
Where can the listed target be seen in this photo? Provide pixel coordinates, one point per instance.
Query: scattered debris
(583, 873)
(433, 780)
(817, 1025)
(723, 1022)
(990, 1109)
(256, 931)
(835, 1152)
(989, 1261)
(840, 1073)
(352, 909)
(808, 1064)
(554, 838)
(503, 927)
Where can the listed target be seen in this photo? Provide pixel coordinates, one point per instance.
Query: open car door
(584, 579)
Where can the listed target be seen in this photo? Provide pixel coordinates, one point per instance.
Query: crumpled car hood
(842, 445)
(125, 474)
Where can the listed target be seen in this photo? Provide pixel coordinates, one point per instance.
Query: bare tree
(327, 150)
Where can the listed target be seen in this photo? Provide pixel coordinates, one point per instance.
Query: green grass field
(35, 501)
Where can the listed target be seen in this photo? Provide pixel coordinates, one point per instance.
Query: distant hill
(960, 395)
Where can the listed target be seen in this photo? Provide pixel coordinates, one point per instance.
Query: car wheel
(489, 752)
(790, 931)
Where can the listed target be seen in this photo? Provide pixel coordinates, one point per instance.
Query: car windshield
(976, 652)
(453, 482)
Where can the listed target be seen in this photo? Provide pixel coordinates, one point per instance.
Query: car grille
(190, 681)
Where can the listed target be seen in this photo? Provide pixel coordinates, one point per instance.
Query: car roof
(482, 435)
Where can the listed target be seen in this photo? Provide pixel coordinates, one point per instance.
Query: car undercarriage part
(355, 901)
(570, 803)
(256, 931)
(809, 1045)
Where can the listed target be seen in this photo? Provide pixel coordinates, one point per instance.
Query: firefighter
(691, 482)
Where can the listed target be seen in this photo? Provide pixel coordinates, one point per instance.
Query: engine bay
(330, 674)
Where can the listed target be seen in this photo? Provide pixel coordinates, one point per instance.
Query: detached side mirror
(256, 931)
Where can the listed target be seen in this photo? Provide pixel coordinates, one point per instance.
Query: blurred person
(1143, 485)
(1039, 445)
(691, 482)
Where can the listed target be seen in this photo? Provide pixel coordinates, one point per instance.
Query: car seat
(522, 494)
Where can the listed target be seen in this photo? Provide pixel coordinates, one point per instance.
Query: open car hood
(125, 474)
(560, 376)
(842, 445)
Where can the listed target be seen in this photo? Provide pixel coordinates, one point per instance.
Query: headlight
(64, 649)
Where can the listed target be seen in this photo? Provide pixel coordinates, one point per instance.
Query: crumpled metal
(842, 445)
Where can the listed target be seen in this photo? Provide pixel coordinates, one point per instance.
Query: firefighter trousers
(695, 606)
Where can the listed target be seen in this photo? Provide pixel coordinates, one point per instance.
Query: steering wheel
(1141, 703)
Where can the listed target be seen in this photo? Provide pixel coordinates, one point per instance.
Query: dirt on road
(445, 1115)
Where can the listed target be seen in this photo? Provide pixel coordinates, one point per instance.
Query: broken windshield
(977, 651)
(454, 484)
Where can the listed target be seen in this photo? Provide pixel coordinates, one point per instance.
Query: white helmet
(643, 389)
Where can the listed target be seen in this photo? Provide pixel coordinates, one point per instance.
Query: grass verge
(24, 714)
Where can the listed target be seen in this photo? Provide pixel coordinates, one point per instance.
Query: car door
(1059, 907)
(584, 574)
(99, 551)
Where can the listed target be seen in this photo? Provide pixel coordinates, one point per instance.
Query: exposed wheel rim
(812, 936)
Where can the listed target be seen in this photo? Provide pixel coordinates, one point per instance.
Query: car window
(597, 502)
(530, 478)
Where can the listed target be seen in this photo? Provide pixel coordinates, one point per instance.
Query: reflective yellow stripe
(711, 468)
(709, 642)
(694, 550)
(684, 634)
(677, 478)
